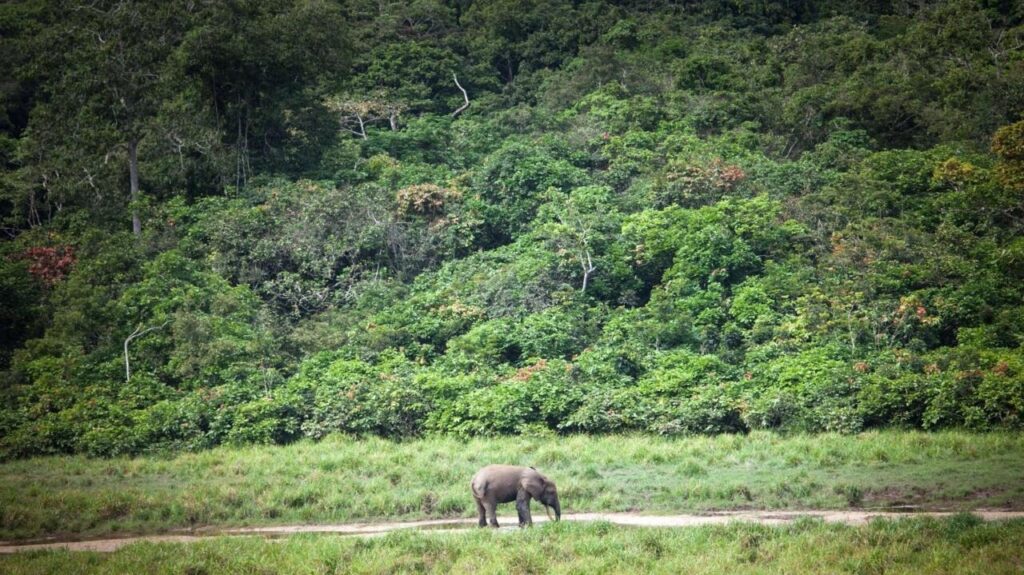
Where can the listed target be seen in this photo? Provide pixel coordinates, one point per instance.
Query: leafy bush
(542, 393)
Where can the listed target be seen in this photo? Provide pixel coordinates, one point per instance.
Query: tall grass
(958, 545)
(343, 479)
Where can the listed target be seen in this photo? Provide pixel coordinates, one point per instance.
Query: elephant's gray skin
(496, 484)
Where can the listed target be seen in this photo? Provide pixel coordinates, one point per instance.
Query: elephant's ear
(535, 486)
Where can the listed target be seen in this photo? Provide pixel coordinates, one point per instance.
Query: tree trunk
(588, 268)
(133, 178)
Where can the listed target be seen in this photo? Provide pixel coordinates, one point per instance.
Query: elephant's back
(499, 469)
(497, 479)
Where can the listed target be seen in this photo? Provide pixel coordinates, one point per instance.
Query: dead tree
(355, 114)
(465, 96)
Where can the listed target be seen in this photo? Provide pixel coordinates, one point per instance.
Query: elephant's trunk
(558, 511)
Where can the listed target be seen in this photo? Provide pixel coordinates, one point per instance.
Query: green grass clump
(343, 479)
(961, 544)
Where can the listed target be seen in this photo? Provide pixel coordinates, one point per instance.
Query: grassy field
(961, 545)
(344, 479)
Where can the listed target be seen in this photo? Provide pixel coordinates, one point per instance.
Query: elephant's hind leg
(491, 507)
(481, 511)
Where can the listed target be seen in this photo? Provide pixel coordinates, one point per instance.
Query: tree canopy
(253, 221)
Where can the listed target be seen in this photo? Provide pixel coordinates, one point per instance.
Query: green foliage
(21, 294)
(1008, 145)
(540, 394)
(351, 396)
(414, 73)
(741, 215)
(510, 183)
(689, 393)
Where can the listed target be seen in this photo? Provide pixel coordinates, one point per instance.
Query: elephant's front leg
(482, 511)
(523, 507)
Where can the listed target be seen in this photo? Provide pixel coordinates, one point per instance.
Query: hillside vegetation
(255, 222)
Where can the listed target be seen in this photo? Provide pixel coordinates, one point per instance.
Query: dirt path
(455, 525)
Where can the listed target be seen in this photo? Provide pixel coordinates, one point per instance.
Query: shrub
(352, 396)
(539, 394)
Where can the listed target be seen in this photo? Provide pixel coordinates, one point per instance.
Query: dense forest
(254, 221)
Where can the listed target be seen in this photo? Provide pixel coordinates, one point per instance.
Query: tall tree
(263, 67)
(116, 56)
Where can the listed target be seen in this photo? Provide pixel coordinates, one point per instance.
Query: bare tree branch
(356, 112)
(464, 95)
(139, 332)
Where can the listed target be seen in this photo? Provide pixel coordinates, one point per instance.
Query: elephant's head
(549, 498)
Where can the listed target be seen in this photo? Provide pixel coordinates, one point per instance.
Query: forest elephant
(496, 484)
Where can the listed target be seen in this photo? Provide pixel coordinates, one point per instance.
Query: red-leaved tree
(49, 265)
